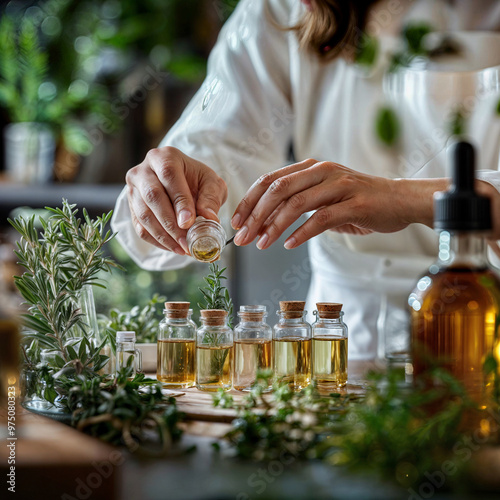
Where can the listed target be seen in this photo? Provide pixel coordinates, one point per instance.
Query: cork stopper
(329, 310)
(252, 313)
(292, 308)
(177, 309)
(213, 317)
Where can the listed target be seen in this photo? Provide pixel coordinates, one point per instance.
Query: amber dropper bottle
(455, 307)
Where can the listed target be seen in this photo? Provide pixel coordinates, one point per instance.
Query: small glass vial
(48, 360)
(292, 345)
(253, 342)
(329, 347)
(126, 353)
(176, 346)
(214, 352)
(206, 239)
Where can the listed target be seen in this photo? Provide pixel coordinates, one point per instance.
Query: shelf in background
(94, 197)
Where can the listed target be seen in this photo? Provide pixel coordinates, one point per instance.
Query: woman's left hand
(343, 200)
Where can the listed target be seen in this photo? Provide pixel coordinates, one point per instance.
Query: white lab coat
(262, 93)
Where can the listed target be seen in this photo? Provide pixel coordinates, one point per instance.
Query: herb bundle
(66, 256)
(270, 424)
(390, 431)
(123, 411)
(60, 261)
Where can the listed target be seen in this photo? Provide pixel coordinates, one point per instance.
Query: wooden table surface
(54, 461)
(198, 405)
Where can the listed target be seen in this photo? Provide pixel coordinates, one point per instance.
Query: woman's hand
(343, 201)
(167, 191)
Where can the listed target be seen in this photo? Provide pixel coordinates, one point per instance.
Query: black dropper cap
(461, 208)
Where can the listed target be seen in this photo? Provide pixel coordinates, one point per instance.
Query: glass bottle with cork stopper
(292, 345)
(455, 307)
(206, 239)
(126, 353)
(252, 346)
(176, 346)
(329, 347)
(214, 351)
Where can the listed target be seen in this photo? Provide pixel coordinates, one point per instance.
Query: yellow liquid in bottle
(454, 327)
(206, 250)
(292, 361)
(9, 356)
(329, 363)
(175, 366)
(250, 356)
(214, 365)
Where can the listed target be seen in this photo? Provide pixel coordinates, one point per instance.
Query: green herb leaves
(395, 430)
(65, 257)
(215, 294)
(141, 321)
(123, 411)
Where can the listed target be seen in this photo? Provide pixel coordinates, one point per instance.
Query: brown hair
(332, 26)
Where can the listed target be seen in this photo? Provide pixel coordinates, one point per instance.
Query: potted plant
(42, 115)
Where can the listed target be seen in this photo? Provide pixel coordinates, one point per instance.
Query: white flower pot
(29, 152)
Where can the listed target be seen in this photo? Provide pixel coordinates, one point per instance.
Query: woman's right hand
(167, 191)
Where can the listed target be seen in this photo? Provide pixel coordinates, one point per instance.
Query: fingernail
(240, 235)
(236, 221)
(179, 251)
(290, 243)
(213, 212)
(262, 243)
(184, 217)
(184, 245)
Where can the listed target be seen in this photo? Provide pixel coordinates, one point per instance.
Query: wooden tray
(198, 405)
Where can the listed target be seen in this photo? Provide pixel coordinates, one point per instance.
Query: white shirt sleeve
(239, 123)
(491, 177)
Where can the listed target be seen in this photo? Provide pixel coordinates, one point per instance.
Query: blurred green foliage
(387, 126)
(28, 94)
(126, 290)
(143, 321)
(458, 122)
(23, 69)
(367, 51)
(64, 62)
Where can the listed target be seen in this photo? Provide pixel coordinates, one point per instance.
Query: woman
(269, 88)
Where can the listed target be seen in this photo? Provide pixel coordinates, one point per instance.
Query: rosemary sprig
(59, 262)
(215, 294)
